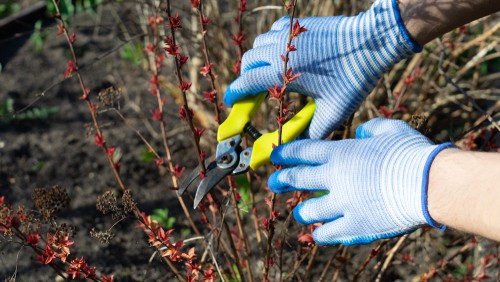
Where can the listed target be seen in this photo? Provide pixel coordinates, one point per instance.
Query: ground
(57, 149)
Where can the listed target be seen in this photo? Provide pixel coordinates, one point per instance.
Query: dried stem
(240, 36)
(189, 117)
(390, 256)
(280, 133)
(270, 238)
(284, 230)
(344, 256)
(157, 92)
(254, 211)
(454, 84)
(372, 254)
(329, 263)
(310, 263)
(99, 133)
(57, 268)
(443, 264)
(85, 96)
(241, 229)
(208, 63)
(297, 265)
(235, 252)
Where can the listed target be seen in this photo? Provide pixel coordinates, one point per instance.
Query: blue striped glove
(377, 183)
(340, 60)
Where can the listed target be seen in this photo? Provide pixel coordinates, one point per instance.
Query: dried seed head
(109, 97)
(49, 201)
(5, 214)
(129, 205)
(64, 229)
(419, 122)
(103, 237)
(107, 203)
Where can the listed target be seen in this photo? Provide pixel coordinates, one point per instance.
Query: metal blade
(195, 174)
(209, 182)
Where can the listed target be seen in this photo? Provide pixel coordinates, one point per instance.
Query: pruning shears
(230, 157)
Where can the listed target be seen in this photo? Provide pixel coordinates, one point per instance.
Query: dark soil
(55, 150)
(58, 150)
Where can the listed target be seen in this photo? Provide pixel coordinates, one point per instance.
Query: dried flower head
(108, 97)
(107, 203)
(64, 229)
(103, 237)
(129, 205)
(49, 201)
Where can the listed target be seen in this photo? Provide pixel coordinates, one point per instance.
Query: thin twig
(311, 261)
(208, 63)
(280, 133)
(241, 229)
(461, 90)
(297, 265)
(372, 254)
(344, 256)
(390, 256)
(187, 110)
(329, 263)
(235, 252)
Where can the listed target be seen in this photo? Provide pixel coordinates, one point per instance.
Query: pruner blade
(209, 182)
(195, 174)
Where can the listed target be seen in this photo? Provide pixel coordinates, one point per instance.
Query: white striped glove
(377, 183)
(340, 60)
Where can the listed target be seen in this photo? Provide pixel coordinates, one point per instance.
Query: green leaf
(244, 190)
(161, 215)
(132, 52)
(38, 37)
(8, 9)
(147, 156)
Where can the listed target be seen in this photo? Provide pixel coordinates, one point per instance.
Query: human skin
(464, 187)
(428, 19)
(464, 191)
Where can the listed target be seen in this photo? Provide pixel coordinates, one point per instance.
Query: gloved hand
(377, 183)
(340, 60)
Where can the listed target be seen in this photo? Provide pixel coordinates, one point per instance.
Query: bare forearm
(464, 192)
(428, 19)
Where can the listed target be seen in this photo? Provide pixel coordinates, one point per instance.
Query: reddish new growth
(240, 37)
(174, 22)
(185, 114)
(210, 96)
(297, 30)
(159, 238)
(206, 69)
(195, 3)
(54, 248)
(278, 93)
(70, 70)
(178, 170)
(170, 47)
(156, 114)
(173, 50)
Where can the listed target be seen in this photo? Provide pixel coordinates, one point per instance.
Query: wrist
(426, 20)
(438, 150)
(464, 191)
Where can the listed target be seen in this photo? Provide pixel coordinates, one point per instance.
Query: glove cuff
(425, 184)
(391, 32)
(414, 46)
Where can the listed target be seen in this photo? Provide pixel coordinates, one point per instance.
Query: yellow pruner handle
(241, 114)
(263, 146)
